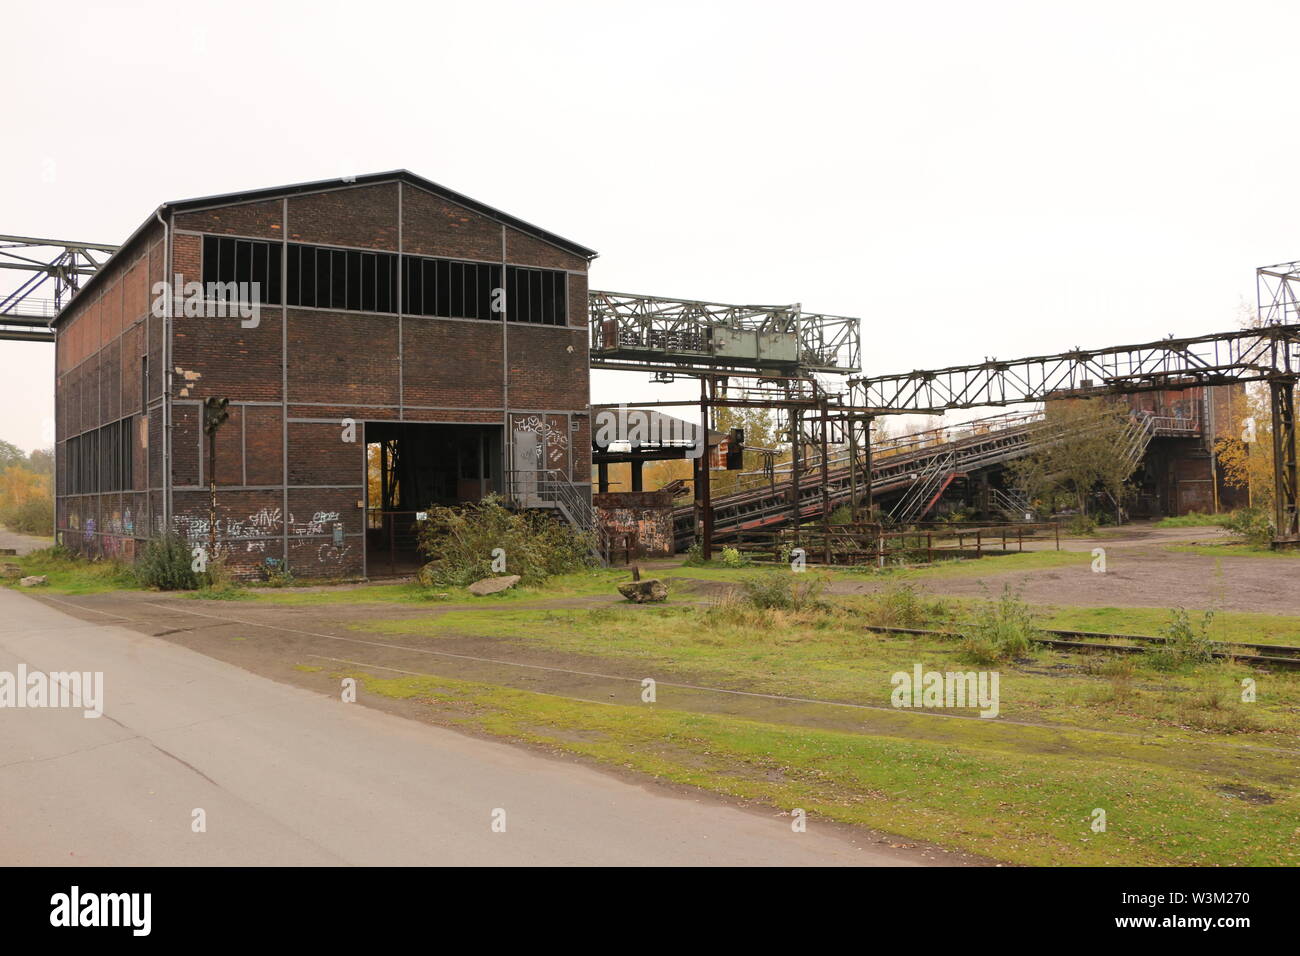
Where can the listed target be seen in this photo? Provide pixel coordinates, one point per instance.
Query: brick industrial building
(403, 329)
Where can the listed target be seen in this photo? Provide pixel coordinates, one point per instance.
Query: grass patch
(1030, 808)
(830, 654)
(1194, 520)
(71, 574)
(576, 584)
(951, 568)
(1240, 550)
(221, 592)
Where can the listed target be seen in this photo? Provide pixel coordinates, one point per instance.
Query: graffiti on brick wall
(331, 553)
(552, 439)
(322, 522)
(653, 528)
(252, 533)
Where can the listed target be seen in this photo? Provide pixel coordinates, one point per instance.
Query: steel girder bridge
(57, 268)
(1269, 352)
(745, 356)
(909, 474)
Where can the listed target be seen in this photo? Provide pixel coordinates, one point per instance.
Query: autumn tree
(1245, 452)
(26, 500)
(1082, 446)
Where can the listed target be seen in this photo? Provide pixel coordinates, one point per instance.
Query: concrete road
(286, 776)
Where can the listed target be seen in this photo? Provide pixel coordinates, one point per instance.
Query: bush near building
(471, 542)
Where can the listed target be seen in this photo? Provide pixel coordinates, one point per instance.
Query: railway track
(1281, 656)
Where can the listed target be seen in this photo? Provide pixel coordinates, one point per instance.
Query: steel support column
(796, 440)
(1287, 520)
(824, 437)
(704, 506)
(866, 467)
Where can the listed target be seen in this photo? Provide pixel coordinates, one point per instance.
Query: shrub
(1253, 524)
(26, 501)
(32, 516)
(903, 606)
(784, 591)
(1003, 629)
(166, 564)
(1185, 643)
(1082, 525)
(843, 514)
(461, 541)
(732, 558)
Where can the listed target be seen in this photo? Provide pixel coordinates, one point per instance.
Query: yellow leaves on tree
(1245, 454)
(26, 501)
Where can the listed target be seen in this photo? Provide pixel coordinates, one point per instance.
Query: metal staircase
(1011, 503)
(936, 456)
(552, 489)
(928, 486)
(1137, 436)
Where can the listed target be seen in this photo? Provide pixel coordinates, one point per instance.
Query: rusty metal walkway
(913, 471)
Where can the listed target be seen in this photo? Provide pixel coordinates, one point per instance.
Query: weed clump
(1253, 524)
(784, 592)
(166, 564)
(1185, 643)
(732, 558)
(904, 606)
(1003, 629)
(471, 542)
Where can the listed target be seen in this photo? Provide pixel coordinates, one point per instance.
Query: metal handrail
(548, 487)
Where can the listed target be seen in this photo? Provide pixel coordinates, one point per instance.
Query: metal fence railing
(870, 543)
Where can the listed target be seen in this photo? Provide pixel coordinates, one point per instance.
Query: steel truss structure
(650, 333)
(57, 268)
(1224, 358)
(1278, 291)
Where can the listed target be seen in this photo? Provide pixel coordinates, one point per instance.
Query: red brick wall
(452, 364)
(102, 336)
(254, 219)
(548, 367)
(432, 226)
(364, 216)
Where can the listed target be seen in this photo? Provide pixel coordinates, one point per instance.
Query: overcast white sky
(971, 179)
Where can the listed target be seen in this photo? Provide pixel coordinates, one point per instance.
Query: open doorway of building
(414, 466)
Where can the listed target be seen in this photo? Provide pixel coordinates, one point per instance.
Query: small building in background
(1178, 473)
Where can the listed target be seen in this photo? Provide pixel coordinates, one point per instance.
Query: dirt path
(1140, 571)
(22, 543)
